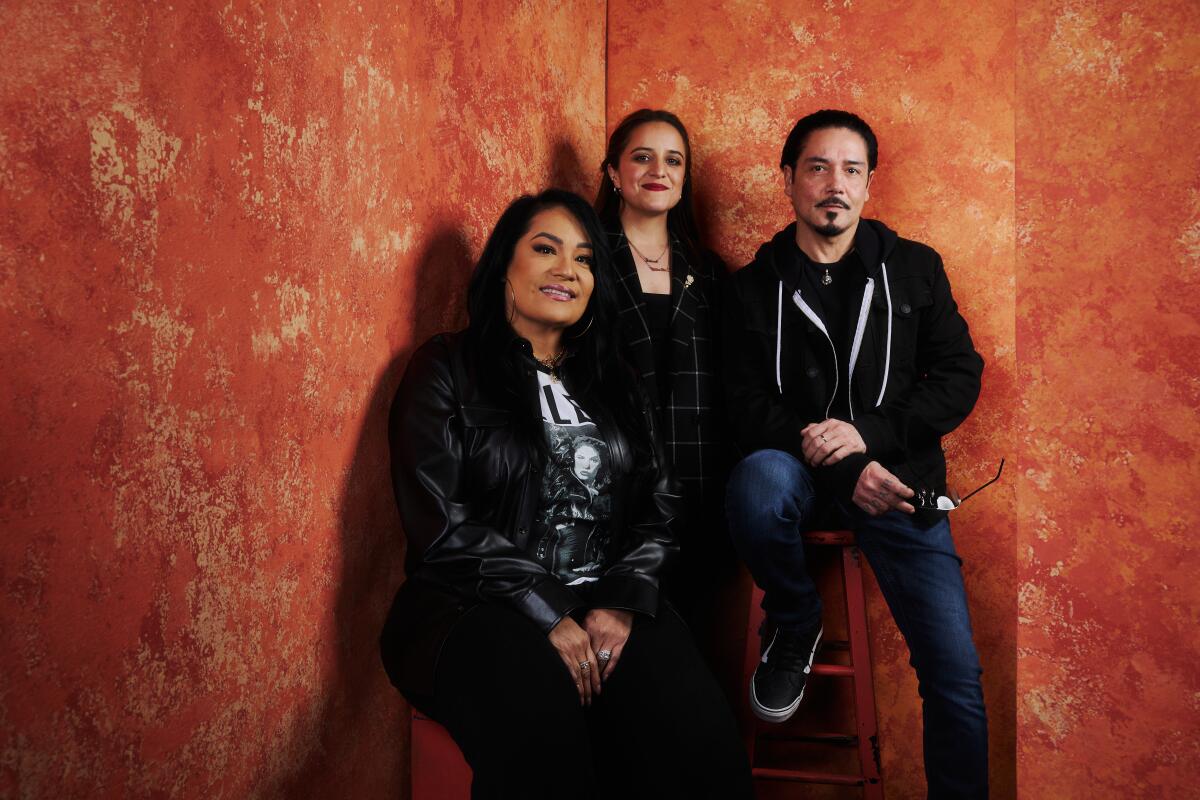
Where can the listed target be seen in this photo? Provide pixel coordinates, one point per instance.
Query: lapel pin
(690, 280)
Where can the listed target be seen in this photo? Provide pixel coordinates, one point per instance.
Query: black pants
(660, 729)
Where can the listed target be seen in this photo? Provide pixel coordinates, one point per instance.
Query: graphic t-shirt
(572, 521)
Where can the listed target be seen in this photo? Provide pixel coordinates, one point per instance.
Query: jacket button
(522, 530)
(812, 372)
(905, 308)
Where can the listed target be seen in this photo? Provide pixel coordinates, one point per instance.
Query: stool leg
(864, 686)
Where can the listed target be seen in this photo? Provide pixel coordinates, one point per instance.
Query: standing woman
(538, 514)
(668, 293)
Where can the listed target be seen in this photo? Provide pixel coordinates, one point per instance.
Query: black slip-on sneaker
(778, 683)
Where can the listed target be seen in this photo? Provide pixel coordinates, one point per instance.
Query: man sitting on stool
(846, 362)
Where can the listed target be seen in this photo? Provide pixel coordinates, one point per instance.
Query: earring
(585, 330)
(616, 188)
(511, 291)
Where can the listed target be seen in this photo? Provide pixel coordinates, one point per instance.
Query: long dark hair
(681, 220)
(593, 370)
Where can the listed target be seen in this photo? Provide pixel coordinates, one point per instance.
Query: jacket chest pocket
(488, 445)
(911, 300)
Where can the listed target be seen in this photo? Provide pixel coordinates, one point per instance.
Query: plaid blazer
(691, 407)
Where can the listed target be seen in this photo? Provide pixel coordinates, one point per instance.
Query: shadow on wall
(706, 221)
(567, 171)
(358, 698)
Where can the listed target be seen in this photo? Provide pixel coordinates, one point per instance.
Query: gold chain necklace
(651, 263)
(552, 363)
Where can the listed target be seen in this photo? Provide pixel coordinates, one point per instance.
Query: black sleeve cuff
(547, 603)
(844, 475)
(626, 593)
(877, 435)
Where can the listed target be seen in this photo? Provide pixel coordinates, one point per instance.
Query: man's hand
(828, 442)
(879, 491)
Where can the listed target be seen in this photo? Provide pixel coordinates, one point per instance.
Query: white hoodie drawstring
(887, 358)
(779, 337)
(862, 321)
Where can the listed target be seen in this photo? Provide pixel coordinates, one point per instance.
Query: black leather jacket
(467, 482)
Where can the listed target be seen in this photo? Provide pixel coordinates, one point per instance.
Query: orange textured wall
(739, 75)
(223, 226)
(1108, 328)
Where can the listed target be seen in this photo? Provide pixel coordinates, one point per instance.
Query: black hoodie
(914, 375)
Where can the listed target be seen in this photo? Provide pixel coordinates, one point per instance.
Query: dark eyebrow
(650, 150)
(559, 241)
(823, 160)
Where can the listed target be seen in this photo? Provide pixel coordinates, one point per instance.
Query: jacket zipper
(863, 311)
(815, 320)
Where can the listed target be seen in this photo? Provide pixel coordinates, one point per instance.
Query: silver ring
(604, 655)
(823, 439)
(585, 666)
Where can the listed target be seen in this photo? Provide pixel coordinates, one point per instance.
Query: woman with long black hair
(551, 660)
(668, 294)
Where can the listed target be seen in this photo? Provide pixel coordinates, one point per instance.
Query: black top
(836, 303)
(658, 320)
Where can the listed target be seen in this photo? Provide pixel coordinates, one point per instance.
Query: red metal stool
(866, 735)
(439, 771)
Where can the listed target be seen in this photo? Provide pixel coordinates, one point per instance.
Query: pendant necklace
(651, 263)
(827, 279)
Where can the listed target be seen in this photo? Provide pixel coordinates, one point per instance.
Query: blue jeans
(772, 498)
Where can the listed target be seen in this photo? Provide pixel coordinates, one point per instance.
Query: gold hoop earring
(513, 313)
(585, 330)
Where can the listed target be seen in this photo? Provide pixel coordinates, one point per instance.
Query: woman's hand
(608, 630)
(574, 647)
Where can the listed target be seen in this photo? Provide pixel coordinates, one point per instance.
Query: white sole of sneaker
(784, 714)
(773, 714)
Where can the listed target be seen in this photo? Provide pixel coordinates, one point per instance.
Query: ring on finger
(585, 666)
(604, 655)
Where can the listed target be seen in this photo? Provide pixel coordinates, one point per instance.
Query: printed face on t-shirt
(587, 463)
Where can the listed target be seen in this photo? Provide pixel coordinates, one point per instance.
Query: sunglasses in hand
(928, 499)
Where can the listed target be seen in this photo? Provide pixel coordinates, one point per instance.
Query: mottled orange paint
(219, 223)
(1108, 270)
(223, 226)
(739, 76)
